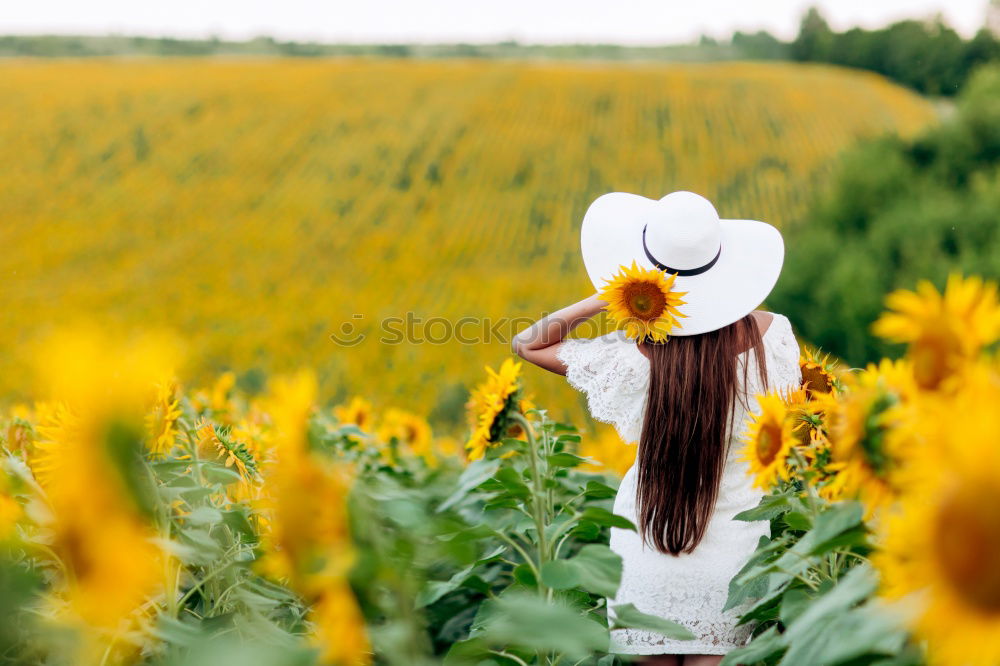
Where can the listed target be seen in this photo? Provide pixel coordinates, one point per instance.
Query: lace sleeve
(613, 375)
(783, 356)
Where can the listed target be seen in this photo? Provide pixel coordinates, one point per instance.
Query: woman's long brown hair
(693, 390)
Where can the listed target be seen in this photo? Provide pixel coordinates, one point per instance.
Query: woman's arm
(540, 342)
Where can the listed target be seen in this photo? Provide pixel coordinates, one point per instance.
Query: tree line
(926, 55)
(897, 211)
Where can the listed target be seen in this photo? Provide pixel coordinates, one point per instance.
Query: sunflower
(217, 398)
(307, 539)
(356, 412)
(99, 531)
(233, 452)
(339, 627)
(162, 419)
(769, 441)
(490, 407)
(20, 434)
(944, 331)
(641, 302)
(410, 431)
(818, 374)
(448, 447)
(941, 549)
(861, 425)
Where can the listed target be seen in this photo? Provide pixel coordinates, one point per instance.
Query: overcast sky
(552, 21)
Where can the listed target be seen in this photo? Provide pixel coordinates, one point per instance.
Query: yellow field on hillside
(255, 206)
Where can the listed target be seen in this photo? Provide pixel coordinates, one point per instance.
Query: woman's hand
(539, 343)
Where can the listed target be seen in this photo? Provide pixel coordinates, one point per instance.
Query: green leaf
(220, 474)
(204, 548)
(476, 473)
(606, 518)
(855, 538)
(599, 569)
(793, 602)
(845, 637)
(767, 608)
(586, 531)
(859, 583)
(831, 523)
(351, 430)
(598, 490)
(761, 648)
(798, 520)
(204, 515)
(493, 554)
(511, 482)
(740, 592)
(770, 507)
(471, 533)
(461, 652)
(525, 575)
(829, 528)
(237, 521)
(197, 495)
(565, 460)
(524, 620)
(435, 589)
(560, 575)
(627, 616)
(505, 446)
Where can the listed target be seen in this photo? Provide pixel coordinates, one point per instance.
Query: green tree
(814, 39)
(897, 211)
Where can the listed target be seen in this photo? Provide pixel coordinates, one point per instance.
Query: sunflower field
(211, 455)
(145, 523)
(260, 208)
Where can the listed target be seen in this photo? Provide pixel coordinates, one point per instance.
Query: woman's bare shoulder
(764, 320)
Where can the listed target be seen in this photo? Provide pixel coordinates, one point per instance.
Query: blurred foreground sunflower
(861, 426)
(941, 549)
(944, 331)
(642, 303)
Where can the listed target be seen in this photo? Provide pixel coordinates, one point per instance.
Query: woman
(684, 400)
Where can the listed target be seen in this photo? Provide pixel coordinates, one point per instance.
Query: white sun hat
(727, 267)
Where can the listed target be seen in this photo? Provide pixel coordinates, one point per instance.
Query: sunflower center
(967, 546)
(768, 444)
(816, 380)
(644, 300)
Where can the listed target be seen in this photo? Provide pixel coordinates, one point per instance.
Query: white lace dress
(690, 588)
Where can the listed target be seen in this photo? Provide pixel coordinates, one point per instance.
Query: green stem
(508, 655)
(537, 494)
(813, 499)
(857, 555)
(523, 553)
(212, 574)
(559, 545)
(811, 585)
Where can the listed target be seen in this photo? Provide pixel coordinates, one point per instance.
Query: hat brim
(746, 272)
